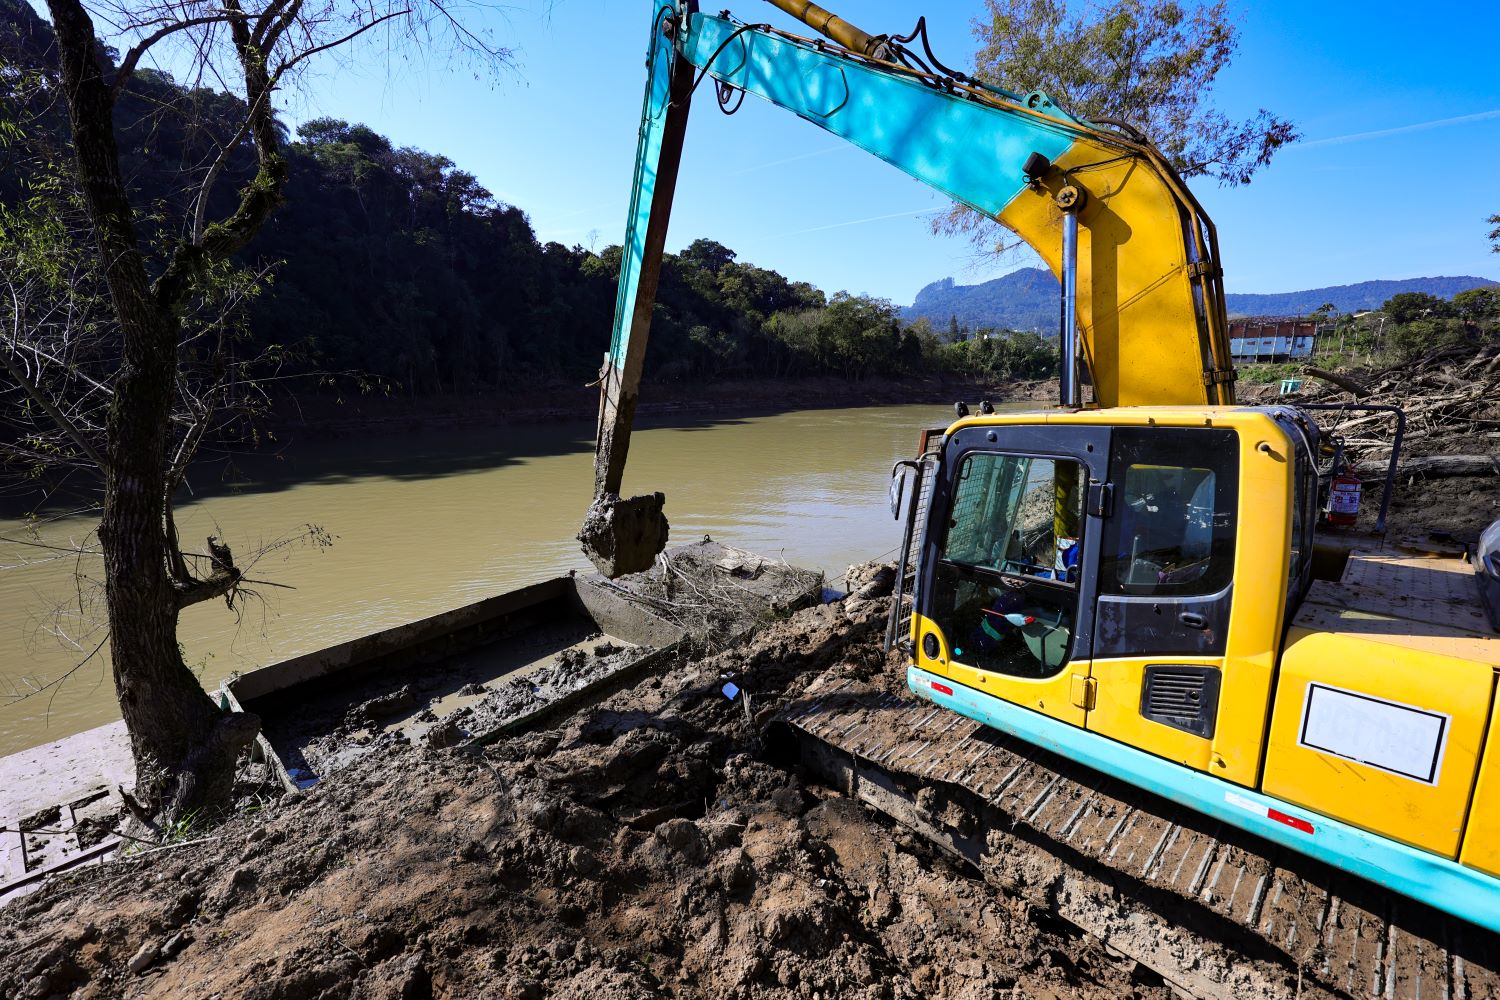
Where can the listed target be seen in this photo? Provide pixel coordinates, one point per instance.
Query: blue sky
(1399, 105)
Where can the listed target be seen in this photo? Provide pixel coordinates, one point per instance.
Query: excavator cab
(1150, 575)
(1085, 566)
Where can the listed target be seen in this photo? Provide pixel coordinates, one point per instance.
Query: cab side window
(1304, 518)
(1173, 528)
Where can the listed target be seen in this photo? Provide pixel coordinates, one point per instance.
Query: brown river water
(437, 519)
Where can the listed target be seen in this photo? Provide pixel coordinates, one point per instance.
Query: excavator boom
(1150, 313)
(1102, 207)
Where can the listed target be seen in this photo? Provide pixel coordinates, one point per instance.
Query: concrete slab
(64, 770)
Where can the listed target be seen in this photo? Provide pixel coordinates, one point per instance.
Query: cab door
(1006, 601)
(1198, 523)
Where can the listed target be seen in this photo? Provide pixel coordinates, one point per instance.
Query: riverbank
(641, 848)
(320, 417)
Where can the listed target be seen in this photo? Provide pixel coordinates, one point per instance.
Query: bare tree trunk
(184, 745)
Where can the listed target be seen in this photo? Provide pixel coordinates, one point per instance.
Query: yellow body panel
(1262, 565)
(1117, 710)
(1051, 696)
(1481, 845)
(1390, 644)
(1261, 571)
(1136, 318)
(1403, 681)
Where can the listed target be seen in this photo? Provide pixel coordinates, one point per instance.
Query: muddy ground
(652, 845)
(648, 847)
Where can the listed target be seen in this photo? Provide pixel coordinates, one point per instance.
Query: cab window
(1005, 591)
(1172, 533)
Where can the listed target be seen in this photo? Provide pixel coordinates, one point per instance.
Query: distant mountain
(1348, 298)
(1021, 300)
(1027, 299)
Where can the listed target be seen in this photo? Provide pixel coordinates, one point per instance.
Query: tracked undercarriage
(1215, 911)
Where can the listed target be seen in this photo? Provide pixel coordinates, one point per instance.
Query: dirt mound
(647, 847)
(717, 591)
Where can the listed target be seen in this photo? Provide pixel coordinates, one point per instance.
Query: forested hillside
(396, 263)
(1026, 299)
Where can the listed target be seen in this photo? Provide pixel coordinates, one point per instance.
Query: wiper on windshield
(1011, 575)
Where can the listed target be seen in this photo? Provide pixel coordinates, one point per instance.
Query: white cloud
(1399, 130)
(854, 222)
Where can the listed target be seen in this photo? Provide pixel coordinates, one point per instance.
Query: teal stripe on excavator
(964, 148)
(1440, 883)
(659, 61)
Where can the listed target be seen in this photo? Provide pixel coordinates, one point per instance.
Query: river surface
(433, 520)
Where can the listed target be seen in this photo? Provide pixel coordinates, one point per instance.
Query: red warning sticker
(1276, 815)
(1296, 823)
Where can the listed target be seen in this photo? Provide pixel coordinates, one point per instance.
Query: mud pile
(717, 592)
(622, 536)
(573, 670)
(648, 846)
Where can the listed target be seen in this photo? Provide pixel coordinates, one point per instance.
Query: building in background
(1271, 339)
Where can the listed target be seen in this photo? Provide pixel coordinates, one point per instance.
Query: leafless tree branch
(132, 57)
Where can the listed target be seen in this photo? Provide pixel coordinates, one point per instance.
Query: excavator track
(1214, 911)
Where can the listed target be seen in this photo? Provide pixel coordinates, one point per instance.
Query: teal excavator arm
(1143, 305)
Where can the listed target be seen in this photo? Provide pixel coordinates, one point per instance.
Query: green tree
(707, 255)
(1494, 220)
(1150, 63)
(1426, 334)
(1406, 307)
(1478, 305)
(802, 334)
(863, 335)
(1478, 309)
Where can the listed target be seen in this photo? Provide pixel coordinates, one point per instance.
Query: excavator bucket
(624, 535)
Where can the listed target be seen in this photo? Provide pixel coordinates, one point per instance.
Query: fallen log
(1436, 466)
(1342, 381)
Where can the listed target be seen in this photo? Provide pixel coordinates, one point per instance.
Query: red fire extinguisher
(1343, 498)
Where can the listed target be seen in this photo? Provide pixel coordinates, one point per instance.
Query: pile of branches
(717, 592)
(1452, 402)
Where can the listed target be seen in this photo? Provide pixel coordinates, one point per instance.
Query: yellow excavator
(1128, 596)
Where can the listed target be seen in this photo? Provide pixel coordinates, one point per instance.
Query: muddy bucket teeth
(624, 536)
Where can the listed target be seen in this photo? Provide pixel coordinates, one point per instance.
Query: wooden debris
(1436, 466)
(1343, 382)
(1451, 398)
